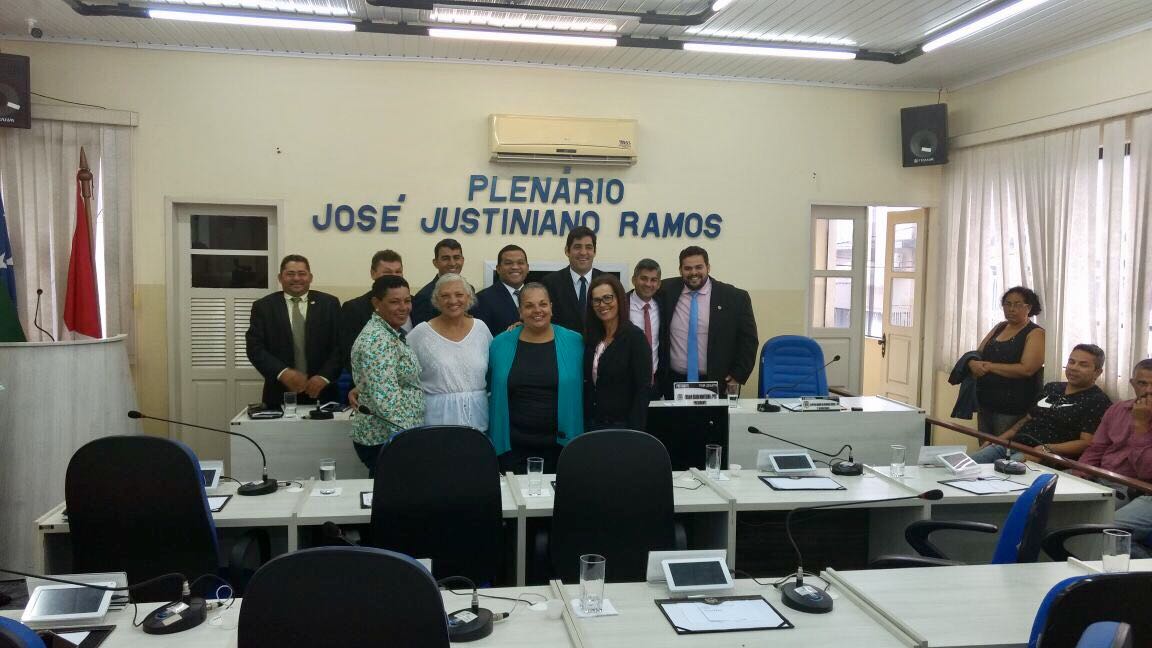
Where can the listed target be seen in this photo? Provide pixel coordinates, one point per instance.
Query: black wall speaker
(15, 92)
(924, 135)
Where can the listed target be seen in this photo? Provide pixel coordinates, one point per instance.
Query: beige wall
(304, 131)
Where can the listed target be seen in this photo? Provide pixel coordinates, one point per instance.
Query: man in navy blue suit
(498, 305)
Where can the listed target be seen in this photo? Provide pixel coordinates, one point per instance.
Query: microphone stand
(846, 468)
(767, 405)
(805, 598)
(265, 486)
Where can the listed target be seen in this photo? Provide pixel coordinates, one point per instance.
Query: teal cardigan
(569, 364)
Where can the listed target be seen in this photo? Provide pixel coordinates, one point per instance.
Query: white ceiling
(889, 26)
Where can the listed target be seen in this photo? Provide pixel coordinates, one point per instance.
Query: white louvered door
(227, 261)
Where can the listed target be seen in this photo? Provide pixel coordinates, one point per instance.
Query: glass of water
(733, 395)
(898, 455)
(327, 470)
(712, 459)
(289, 404)
(1117, 550)
(535, 475)
(592, 583)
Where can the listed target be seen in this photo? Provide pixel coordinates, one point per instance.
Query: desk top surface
(923, 478)
(973, 605)
(345, 508)
(339, 419)
(689, 495)
(752, 494)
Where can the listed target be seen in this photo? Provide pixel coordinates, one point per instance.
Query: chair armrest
(900, 562)
(917, 534)
(681, 536)
(1053, 542)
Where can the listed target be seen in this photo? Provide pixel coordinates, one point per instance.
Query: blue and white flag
(7, 271)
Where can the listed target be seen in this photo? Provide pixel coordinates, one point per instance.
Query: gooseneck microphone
(36, 316)
(471, 623)
(805, 598)
(363, 409)
(767, 405)
(266, 486)
(846, 468)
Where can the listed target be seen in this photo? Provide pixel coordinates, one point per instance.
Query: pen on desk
(1072, 560)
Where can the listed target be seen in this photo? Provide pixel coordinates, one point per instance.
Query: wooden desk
(978, 605)
(1077, 501)
(640, 622)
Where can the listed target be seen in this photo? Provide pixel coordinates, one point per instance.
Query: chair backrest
(14, 634)
(1023, 530)
(437, 495)
(1107, 634)
(342, 596)
(613, 498)
(137, 504)
(1074, 604)
(794, 366)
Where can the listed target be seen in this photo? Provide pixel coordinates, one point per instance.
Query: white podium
(54, 398)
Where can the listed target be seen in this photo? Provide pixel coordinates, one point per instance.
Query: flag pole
(84, 177)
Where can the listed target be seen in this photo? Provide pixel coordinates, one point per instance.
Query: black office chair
(1055, 541)
(613, 498)
(437, 495)
(1019, 542)
(137, 504)
(14, 634)
(342, 596)
(1071, 612)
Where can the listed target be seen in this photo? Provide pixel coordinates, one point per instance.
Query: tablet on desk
(791, 463)
(66, 603)
(694, 575)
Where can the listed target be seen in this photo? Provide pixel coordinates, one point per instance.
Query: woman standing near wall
(617, 361)
(1009, 375)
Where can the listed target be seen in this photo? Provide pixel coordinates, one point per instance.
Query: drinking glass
(327, 470)
(713, 454)
(535, 475)
(289, 404)
(733, 395)
(1117, 550)
(898, 452)
(591, 583)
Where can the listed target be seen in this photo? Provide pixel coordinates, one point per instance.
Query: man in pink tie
(644, 311)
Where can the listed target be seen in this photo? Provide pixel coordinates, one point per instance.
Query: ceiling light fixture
(721, 4)
(981, 24)
(718, 48)
(523, 20)
(250, 21)
(522, 37)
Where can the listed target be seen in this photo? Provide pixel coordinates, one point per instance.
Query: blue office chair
(613, 498)
(792, 365)
(137, 504)
(1019, 541)
(342, 596)
(1095, 611)
(437, 495)
(14, 634)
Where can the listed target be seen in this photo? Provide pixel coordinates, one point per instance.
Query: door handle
(883, 345)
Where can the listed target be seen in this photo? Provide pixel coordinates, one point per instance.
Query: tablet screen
(67, 600)
(687, 574)
(793, 462)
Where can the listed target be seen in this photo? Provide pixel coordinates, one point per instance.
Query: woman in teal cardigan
(535, 380)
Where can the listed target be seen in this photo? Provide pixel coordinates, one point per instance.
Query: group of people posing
(1074, 419)
(531, 364)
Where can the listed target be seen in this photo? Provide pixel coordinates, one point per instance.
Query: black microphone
(184, 613)
(472, 622)
(847, 468)
(767, 406)
(806, 598)
(363, 409)
(36, 317)
(263, 487)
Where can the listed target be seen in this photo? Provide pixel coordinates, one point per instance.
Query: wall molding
(1066, 119)
(85, 114)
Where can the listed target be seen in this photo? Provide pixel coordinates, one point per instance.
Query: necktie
(298, 353)
(648, 330)
(516, 297)
(582, 298)
(693, 344)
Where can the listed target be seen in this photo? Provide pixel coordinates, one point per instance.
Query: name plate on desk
(696, 391)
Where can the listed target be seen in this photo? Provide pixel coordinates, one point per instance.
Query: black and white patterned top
(1057, 418)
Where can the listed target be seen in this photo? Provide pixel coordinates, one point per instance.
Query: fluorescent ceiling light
(520, 37)
(982, 24)
(303, 7)
(721, 4)
(522, 20)
(718, 48)
(250, 21)
(749, 35)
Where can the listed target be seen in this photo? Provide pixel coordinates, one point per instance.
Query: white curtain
(1062, 214)
(38, 175)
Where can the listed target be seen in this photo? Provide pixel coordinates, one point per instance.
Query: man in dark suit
(644, 311)
(447, 256)
(568, 288)
(356, 312)
(498, 305)
(292, 337)
(708, 330)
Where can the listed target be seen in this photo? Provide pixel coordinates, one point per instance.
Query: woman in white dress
(453, 352)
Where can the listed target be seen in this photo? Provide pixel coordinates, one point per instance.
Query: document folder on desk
(722, 614)
(802, 483)
(982, 486)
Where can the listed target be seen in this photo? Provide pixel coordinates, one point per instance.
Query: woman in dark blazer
(617, 361)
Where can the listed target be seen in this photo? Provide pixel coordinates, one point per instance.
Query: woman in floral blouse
(386, 372)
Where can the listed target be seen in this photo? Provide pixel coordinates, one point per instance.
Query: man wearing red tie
(644, 311)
